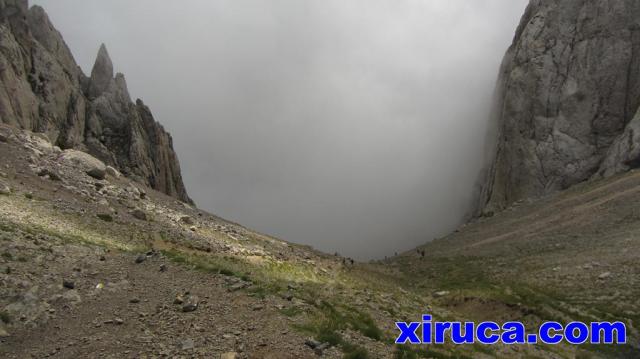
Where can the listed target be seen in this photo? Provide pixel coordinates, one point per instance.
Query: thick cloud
(353, 126)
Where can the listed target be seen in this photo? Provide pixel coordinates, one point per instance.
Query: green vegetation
(329, 320)
(477, 285)
(268, 277)
(451, 273)
(227, 272)
(356, 352)
(273, 278)
(409, 352)
(7, 227)
(291, 311)
(227, 266)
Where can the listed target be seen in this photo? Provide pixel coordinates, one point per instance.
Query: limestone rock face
(42, 89)
(568, 91)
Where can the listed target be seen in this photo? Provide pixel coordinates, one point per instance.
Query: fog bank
(352, 126)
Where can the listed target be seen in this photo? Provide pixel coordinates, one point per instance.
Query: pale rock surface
(82, 160)
(568, 91)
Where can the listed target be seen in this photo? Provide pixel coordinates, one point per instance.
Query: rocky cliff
(42, 89)
(567, 101)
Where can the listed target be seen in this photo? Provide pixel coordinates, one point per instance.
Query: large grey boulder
(83, 161)
(568, 90)
(4, 189)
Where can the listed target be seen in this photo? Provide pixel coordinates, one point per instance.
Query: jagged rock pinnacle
(102, 73)
(121, 87)
(92, 114)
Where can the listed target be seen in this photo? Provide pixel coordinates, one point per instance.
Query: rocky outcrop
(101, 75)
(568, 92)
(42, 89)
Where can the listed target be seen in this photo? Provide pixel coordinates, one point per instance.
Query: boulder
(83, 161)
(4, 189)
(68, 284)
(41, 142)
(604, 275)
(97, 173)
(139, 214)
(187, 220)
(187, 344)
(112, 172)
(51, 174)
(311, 343)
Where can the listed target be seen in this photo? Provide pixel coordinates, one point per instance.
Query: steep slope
(98, 266)
(42, 89)
(569, 88)
(574, 255)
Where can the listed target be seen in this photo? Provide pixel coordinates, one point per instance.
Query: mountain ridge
(44, 90)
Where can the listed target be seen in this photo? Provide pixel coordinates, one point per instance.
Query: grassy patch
(408, 352)
(404, 352)
(7, 227)
(293, 273)
(356, 352)
(330, 320)
(227, 266)
(267, 278)
(227, 272)
(363, 323)
(457, 273)
(79, 236)
(260, 292)
(71, 228)
(291, 311)
(336, 319)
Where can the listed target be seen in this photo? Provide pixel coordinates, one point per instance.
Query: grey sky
(354, 126)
